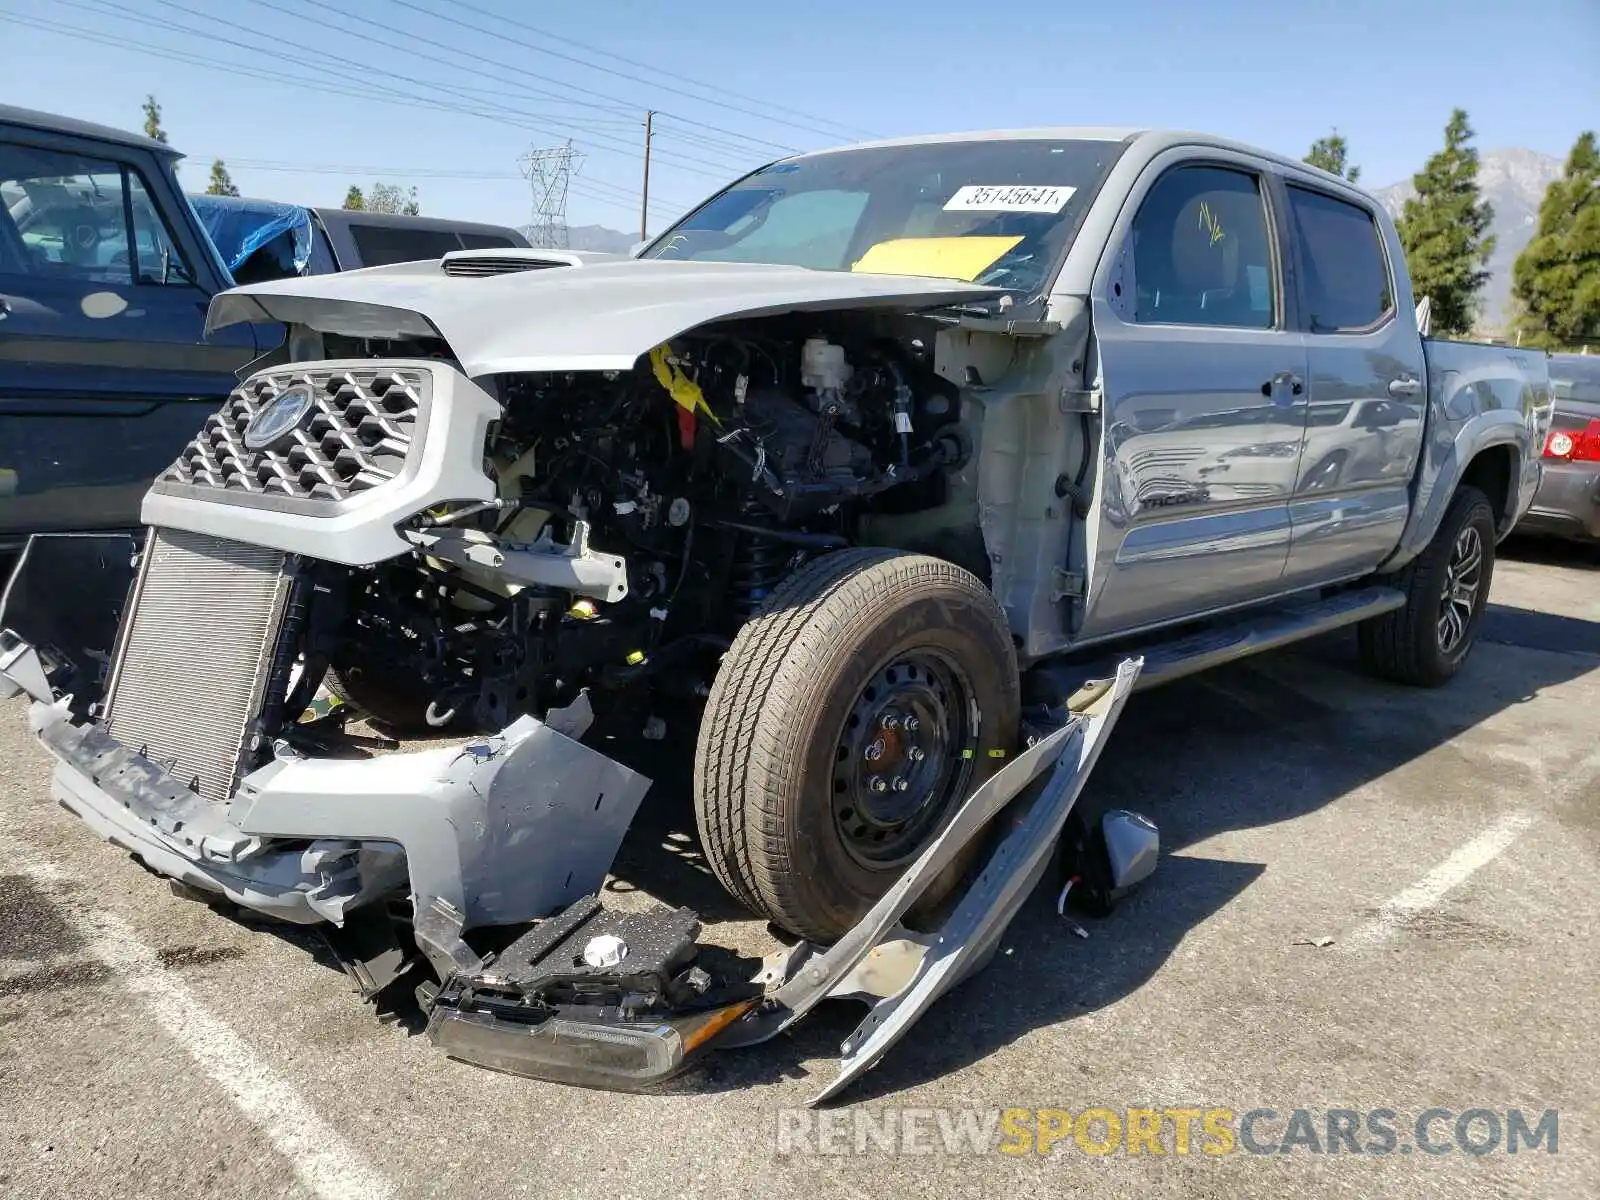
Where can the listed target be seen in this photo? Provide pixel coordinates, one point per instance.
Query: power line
(537, 49)
(616, 108)
(174, 54)
(544, 122)
(343, 85)
(478, 60)
(595, 189)
(840, 128)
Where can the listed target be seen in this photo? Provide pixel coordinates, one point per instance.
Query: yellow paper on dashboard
(942, 257)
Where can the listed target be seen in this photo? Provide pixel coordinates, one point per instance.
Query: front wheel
(1447, 588)
(869, 696)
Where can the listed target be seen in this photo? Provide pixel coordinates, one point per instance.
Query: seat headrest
(1205, 248)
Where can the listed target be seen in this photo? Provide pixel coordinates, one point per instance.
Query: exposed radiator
(195, 653)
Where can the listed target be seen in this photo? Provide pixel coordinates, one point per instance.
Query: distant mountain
(1513, 181)
(589, 237)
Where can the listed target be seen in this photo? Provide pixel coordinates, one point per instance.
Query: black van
(105, 275)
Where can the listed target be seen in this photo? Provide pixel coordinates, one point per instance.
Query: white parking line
(1433, 886)
(325, 1162)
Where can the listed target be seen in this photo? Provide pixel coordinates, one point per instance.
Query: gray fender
(1479, 397)
(1438, 481)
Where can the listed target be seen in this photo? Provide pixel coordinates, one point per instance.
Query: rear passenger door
(1364, 416)
(104, 372)
(1202, 378)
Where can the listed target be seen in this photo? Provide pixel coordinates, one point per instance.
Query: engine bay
(642, 516)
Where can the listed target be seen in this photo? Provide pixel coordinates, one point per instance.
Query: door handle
(1286, 379)
(1404, 386)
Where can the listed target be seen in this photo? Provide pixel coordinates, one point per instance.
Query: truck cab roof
(29, 118)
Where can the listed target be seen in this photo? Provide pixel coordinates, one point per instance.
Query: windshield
(999, 211)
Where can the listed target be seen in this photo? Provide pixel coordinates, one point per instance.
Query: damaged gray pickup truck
(884, 477)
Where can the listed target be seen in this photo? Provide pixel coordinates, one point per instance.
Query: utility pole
(550, 172)
(644, 203)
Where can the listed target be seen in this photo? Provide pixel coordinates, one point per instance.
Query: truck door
(104, 373)
(1365, 412)
(1202, 380)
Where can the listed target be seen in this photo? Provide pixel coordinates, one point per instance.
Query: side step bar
(1236, 638)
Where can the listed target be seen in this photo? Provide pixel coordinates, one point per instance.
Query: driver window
(1201, 253)
(70, 216)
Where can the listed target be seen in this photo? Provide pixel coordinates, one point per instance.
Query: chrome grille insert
(357, 436)
(194, 655)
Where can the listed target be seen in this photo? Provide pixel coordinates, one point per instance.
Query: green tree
(221, 182)
(1332, 154)
(392, 198)
(152, 120)
(1556, 281)
(1445, 231)
(353, 199)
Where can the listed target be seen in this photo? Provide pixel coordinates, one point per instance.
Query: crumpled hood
(599, 314)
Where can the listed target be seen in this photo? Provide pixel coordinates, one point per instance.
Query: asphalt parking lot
(1370, 898)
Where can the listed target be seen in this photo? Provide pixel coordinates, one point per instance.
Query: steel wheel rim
(1463, 583)
(893, 782)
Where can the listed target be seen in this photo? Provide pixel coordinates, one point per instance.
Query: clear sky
(304, 97)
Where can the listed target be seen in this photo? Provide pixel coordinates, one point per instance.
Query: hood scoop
(473, 264)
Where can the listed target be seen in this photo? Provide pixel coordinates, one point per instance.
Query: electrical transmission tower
(550, 171)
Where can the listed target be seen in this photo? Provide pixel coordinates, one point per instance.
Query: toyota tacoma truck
(852, 478)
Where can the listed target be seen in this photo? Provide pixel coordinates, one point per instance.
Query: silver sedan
(1567, 504)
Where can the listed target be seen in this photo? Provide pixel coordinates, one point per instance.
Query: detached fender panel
(928, 965)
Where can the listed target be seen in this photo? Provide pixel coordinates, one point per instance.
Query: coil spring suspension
(759, 564)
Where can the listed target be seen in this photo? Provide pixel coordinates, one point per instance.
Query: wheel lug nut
(890, 721)
(912, 724)
(915, 754)
(901, 784)
(877, 784)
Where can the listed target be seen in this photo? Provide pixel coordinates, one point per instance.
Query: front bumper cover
(510, 828)
(499, 830)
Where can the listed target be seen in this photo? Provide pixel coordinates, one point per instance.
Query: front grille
(195, 653)
(356, 437)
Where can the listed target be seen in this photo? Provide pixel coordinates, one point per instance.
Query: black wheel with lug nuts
(1447, 588)
(869, 696)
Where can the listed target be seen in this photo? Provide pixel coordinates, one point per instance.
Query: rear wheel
(1447, 588)
(850, 718)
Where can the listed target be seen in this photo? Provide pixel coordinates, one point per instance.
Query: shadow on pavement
(1233, 749)
(1549, 552)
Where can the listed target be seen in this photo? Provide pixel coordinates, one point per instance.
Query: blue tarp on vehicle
(239, 227)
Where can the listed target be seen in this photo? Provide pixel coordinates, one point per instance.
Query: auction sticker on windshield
(977, 197)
